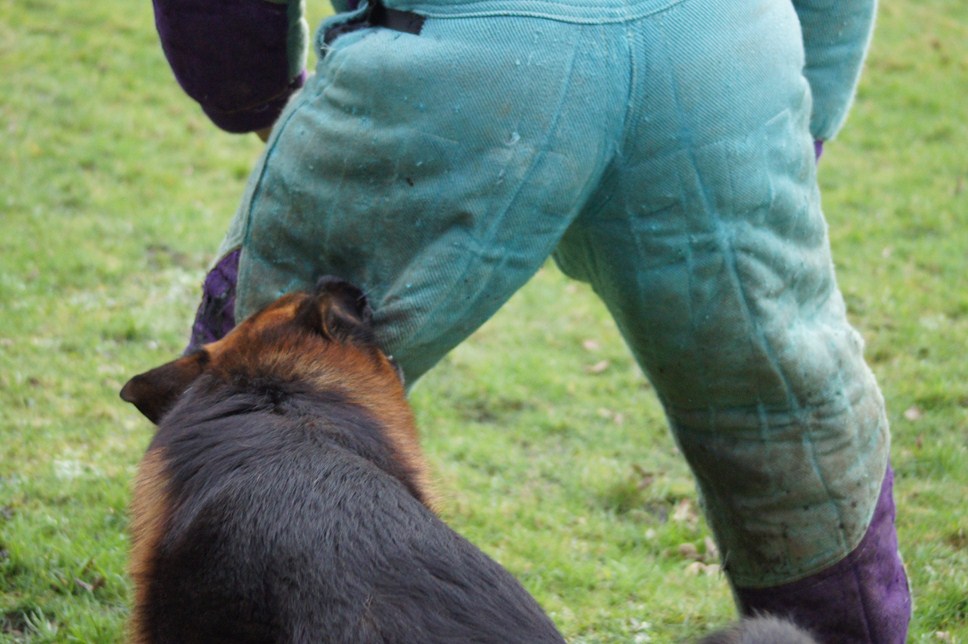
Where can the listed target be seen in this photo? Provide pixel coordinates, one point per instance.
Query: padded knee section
(862, 598)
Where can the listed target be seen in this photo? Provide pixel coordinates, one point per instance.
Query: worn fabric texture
(664, 155)
(863, 599)
(836, 36)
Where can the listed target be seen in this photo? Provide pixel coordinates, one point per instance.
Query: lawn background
(548, 445)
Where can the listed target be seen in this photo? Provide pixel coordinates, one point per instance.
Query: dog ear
(155, 392)
(338, 310)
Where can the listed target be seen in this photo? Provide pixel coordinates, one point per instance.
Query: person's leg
(435, 171)
(707, 243)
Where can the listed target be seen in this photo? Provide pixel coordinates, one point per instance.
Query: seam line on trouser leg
(728, 250)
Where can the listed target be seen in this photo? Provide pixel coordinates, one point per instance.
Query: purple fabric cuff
(216, 314)
(254, 118)
(818, 149)
(862, 599)
(231, 56)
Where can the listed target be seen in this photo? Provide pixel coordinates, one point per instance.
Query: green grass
(548, 445)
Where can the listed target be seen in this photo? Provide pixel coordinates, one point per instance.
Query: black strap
(405, 21)
(378, 15)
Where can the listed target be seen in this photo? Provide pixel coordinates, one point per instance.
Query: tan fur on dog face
(321, 339)
(275, 343)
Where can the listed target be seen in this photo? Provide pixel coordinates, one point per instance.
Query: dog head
(322, 338)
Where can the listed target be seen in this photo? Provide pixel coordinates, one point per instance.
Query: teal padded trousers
(657, 149)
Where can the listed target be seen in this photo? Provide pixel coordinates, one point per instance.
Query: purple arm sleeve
(231, 56)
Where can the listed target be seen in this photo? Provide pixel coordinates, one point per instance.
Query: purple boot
(216, 314)
(863, 598)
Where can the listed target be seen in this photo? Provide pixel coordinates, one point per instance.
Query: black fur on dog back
(292, 520)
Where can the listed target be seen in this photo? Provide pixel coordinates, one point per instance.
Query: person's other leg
(707, 243)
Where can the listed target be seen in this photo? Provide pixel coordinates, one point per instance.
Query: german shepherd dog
(284, 497)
